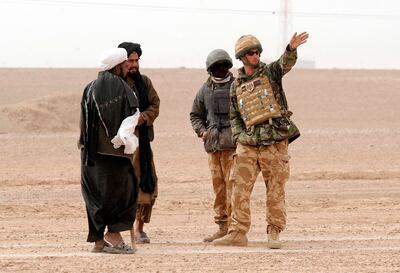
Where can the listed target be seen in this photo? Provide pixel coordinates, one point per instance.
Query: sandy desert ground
(343, 196)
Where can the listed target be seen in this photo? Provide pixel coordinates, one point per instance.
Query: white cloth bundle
(126, 136)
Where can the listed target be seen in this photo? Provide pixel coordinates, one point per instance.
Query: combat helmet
(245, 43)
(217, 56)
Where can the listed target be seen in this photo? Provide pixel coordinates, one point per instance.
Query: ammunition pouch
(257, 102)
(219, 139)
(283, 129)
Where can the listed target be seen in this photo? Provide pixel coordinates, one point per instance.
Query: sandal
(142, 238)
(99, 250)
(121, 248)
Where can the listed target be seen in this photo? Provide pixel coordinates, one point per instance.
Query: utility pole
(286, 10)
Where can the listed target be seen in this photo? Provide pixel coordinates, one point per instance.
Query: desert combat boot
(273, 238)
(233, 238)
(222, 231)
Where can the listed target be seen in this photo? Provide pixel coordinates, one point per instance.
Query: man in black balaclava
(149, 104)
(210, 121)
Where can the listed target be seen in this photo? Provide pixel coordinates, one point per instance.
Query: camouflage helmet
(245, 43)
(217, 56)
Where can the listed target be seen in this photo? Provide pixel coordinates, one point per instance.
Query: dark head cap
(131, 47)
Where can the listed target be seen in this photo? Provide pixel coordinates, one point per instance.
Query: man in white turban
(108, 182)
(112, 57)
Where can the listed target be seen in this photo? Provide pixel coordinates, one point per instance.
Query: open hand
(297, 40)
(141, 120)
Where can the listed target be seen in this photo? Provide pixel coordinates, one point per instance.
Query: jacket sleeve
(152, 111)
(237, 123)
(198, 115)
(284, 64)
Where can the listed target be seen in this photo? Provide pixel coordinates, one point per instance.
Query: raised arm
(288, 59)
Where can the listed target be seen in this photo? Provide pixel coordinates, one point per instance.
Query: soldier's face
(133, 63)
(220, 70)
(253, 56)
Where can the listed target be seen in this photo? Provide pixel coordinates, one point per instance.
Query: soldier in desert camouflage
(262, 129)
(210, 121)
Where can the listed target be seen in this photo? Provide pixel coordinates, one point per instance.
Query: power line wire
(137, 6)
(64, 3)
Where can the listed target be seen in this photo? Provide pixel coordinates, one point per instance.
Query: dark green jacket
(210, 112)
(265, 133)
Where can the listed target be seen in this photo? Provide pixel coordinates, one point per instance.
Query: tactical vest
(257, 102)
(217, 102)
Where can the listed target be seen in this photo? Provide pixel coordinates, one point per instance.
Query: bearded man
(149, 106)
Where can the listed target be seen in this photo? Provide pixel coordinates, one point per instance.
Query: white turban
(112, 57)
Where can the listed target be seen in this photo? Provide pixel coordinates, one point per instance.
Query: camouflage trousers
(220, 164)
(273, 162)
